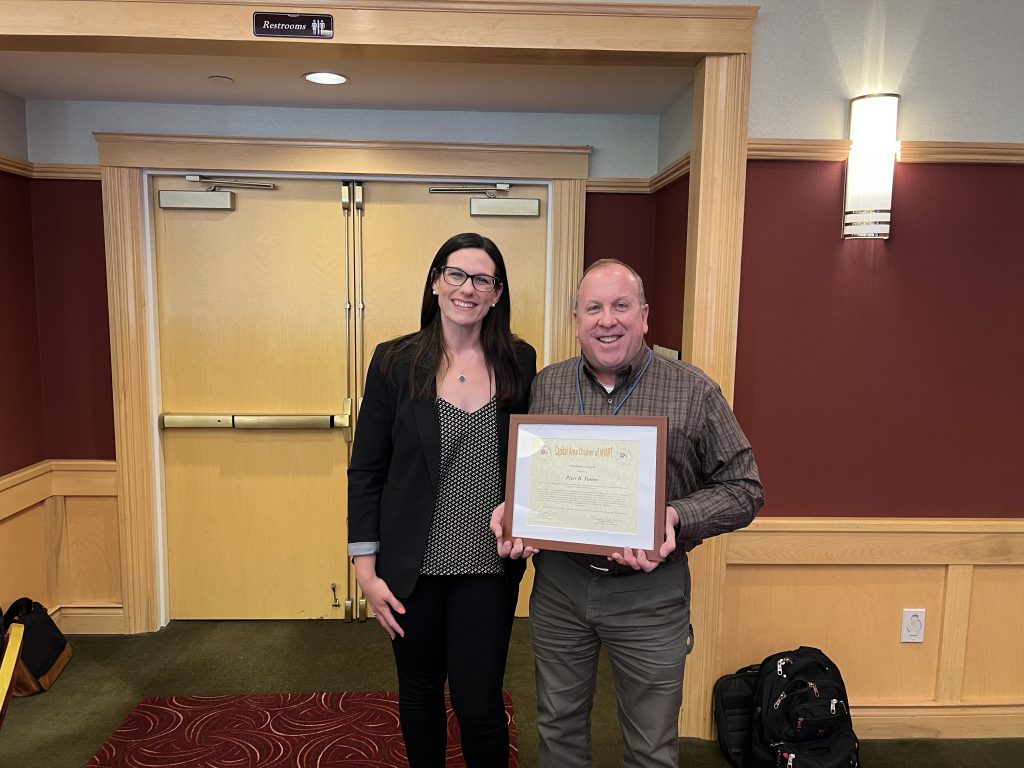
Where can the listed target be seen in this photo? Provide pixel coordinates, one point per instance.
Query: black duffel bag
(45, 651)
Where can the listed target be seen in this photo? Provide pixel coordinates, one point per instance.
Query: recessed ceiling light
(325, 78)
(220, 79)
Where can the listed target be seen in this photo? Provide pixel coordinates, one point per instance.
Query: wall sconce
(873, 153)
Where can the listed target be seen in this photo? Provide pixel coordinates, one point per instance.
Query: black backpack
(44, 651)
(733, 700)
(801, 716)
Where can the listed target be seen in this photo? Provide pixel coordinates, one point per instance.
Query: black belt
(611, 569)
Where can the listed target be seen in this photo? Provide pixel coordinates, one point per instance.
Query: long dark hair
(427, 344)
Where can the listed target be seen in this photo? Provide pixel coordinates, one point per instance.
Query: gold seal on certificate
(592, 484)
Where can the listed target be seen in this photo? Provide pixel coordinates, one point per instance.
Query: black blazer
(393, 474)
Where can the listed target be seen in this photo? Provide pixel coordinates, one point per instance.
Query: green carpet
(108, 675)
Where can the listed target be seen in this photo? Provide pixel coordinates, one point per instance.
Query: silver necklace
(462, 375)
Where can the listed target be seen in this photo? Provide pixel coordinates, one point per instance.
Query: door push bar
(342, 421)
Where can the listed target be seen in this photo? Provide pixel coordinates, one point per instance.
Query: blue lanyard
(579, 383)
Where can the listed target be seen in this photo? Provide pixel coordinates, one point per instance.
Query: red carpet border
(297, 730)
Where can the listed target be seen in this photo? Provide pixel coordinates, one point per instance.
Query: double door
(272, 310)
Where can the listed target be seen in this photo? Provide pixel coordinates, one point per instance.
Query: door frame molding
(717, 39)
(126, 160)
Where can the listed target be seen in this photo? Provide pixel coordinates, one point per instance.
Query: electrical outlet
(912, 628)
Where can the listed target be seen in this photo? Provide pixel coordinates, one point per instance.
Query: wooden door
(275, 308)
(251, 321)
(403, 225)
(399, 230)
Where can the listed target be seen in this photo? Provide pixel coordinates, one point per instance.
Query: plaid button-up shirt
(711, 476)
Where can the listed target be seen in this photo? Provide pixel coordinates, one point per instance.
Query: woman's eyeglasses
(456, 276)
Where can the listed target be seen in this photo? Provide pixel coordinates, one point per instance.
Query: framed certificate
(589, 484)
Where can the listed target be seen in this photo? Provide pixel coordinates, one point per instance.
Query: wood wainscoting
(841, 584)
(59, 535)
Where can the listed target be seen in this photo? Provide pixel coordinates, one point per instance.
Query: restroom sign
(319, 25)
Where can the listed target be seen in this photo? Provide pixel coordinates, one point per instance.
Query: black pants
(456, 627)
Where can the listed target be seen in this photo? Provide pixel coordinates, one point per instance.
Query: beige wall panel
(256, 522)
(91, 568)
(49, 562)
(994, 668)
(852, 613)
(24, 570)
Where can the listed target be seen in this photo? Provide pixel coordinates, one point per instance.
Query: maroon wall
(620, 227)
(55, 384)
(74, 335)
(648, 232)
(883, 378)
(666, 294)
(22, 441)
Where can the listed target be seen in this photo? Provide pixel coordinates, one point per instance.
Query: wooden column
(134, 411)
(713, 250)
(568, 206)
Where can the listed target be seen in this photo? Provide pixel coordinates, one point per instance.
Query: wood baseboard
(90, 619)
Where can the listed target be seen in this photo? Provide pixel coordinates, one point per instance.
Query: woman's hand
(513, 549)
(385, 605)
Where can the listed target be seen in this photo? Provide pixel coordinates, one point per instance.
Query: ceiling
(379, 79)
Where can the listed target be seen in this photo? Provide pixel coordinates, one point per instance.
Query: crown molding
(831, 150)
(65, 171)
(620, 186)
(387, 158)
(17, 167)
(963, 152)
(969, 152)
(671, 173)
(798, 149)
(50, 170)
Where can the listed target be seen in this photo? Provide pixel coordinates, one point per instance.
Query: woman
(427, 469)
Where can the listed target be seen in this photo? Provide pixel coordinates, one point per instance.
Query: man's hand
(513, 549)
(639, 561)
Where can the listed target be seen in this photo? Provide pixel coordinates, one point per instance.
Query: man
(637, 608)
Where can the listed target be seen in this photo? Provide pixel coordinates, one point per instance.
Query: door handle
(282, 421)
(343, 420)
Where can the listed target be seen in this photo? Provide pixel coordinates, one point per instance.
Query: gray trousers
(643, 620)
